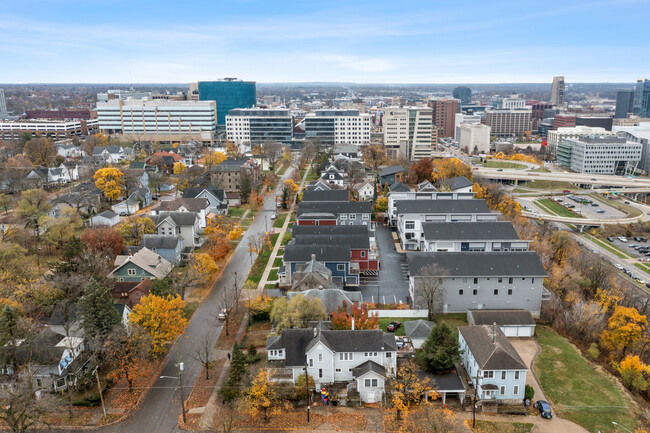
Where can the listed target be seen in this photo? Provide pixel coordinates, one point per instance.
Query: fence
(400, 313)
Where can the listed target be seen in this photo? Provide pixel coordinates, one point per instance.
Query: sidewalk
(276, 247)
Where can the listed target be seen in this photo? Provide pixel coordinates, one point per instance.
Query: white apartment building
(159, 120)
(464, 118)
(554, 137)
(338, 127)
(258, 125)
(475, 136)
(599, 155)
(513, 102)
(408, 132)
(506, 123)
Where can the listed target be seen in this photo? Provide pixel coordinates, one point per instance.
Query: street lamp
(624, 428)
(180, 367)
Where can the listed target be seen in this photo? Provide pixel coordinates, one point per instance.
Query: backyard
(579, 391)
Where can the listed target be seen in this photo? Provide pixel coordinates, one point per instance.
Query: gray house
(479, 280)
(471, 236)
(513, 323)
(168, 247)
(183, 224)
(334, 212)
(145, 264)
(106, 218)
(326, 195)
(199, 205)
(411, 214)
(493, 363)
(399, 191)
(216, 197)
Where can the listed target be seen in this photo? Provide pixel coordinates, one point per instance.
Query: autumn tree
(374, 155)
(407, 388)
(272, 151)
(156, 180)
(421, 170)
(18, 271)
(429, 289)
(297, 312)
(562, 244)
(97, 312)
(261, 396)
(133, 229)
(229, 300)
(341, 319)
(289, 190)
(33, 207)
(21, 408)
(432, 419)
(179, 167)
(5, 202)
(61, 229)
(41, 151)
(213, 159)
(381, 204)
(448, 168)
(111, 181)
(161, 317)
(103, 239)
(127, 353)
(624, 329)
(203, 350)
(233, 151)
(440, 349)
(633, 373)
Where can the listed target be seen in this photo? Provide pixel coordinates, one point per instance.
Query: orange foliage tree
(633, 373)
(126, 352)
(449, 167)
(421, 170)
(624, 329)
(102, 239)
(341, 319)
(161, 317)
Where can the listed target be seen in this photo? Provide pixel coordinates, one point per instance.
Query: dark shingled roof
(489, 352)
(329, 230)
(354, 241)
(387, 171)
(191, 204)
(479, 264)
(441, 206)
(356, 341)
(399, 187)
(458, 182)
(501, 317)
(294, 341)
(303, 253)
(180, 218)
(335, 207)
(107, 214)
(193, 192)
(367, 367)
(467, 231)
(160, 241)
(330, 195)
(418, 328)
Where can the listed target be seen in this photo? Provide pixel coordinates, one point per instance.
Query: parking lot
(588, 206)
(626, 248)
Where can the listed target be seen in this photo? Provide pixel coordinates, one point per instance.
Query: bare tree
(429, 289)
(229, 300)
(223, 422)
(23, 405)
(203, 350)
(272, 151)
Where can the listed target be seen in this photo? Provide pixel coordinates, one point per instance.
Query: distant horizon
(99, 83)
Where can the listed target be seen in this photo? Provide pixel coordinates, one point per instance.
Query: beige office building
(409, 132)
(508, 123)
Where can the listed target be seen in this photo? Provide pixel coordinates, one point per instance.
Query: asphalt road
(160, 409)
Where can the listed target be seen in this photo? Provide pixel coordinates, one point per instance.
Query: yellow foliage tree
(449, 167)
(408, 389)
(291, 186)
(133, 229)
(261, 395)
(161, 317)
(214, 158)
(202, 264)
(235, 233)
(633, 373)
(381, 205)
(111, 181)
(179, 167)
(624, 328)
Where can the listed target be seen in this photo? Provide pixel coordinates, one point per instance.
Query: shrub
(594, 351)
(252, 356)
(529, 393)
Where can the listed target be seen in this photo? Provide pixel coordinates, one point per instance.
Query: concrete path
(542, 425)
(528, 349)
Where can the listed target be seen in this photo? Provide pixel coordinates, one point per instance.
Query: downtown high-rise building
(229, 93)
(463, 93)
(332, 127)
(508, 122)
(3, 103)
(624, 103)
(642, 98)
(256, 125)
(409, 132)
(557, 91)
(444, 115)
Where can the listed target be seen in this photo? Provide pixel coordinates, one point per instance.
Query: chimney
(494, 332)
(353, 323)
(313, 257)
(315, 332)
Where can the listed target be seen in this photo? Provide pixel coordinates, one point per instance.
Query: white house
(418, 331)
(49, 176)
(513, 323)
(398, 192)
(362, 357)
(366, 190)
(110, 154)
(72, 168)
(199, 205)
(471, 236)
(493, 364)
(334, 176)
(183, 224)
(216, 198)
(70, 151)
(106, 218)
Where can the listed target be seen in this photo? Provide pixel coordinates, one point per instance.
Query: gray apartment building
(471, 236)
(599, 154)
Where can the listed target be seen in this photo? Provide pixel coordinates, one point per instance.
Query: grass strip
(556, 208)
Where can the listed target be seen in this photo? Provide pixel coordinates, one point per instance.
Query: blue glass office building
(229, 94)
(642, 98)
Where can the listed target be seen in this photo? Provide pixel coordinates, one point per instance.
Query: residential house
(44, 177)
(130, 292)
(363, 250)
(418, 331)
(318, 185)
(230, 173)
(479, 280)
(331, 299)
(145, 264)
(334, 213)
(346, 152)
(169, 247)
(106, 218)
(233, 199)
(70, 151)
(164, 161)
(110, 154)
(310, 275)
(73, 169)
(365, 190)
(399, 192)
(335, 257)
(496, 369)
(326, 195)
(361, 357)
(411, 214)
(426, 186)
(391, 175)
(139, 199)
(513, 323)
(471, 236)
(138, 177)
(183, 224)
(457, 184)
(334, 176)
(199, 205)
(215, 196)
(59, 208)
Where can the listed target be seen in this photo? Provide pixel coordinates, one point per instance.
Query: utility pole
(179, 364)
(307, 389)
(99, 388)
(474, 401)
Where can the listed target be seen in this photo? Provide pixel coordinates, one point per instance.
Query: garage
(370, 378)
(515, 323)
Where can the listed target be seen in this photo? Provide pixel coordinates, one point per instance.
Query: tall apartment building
(444, 113)
(229, 93)
(464, 118)
(555, 136)
(159, 120)
(508, 123)
(338, 127)
(624, 103)
(3, 103)
(513, 102)
(475, 137)
(409, 132)
(599, 154)
(642, 98)
(557, 91)
(256, 125)
(463, 93)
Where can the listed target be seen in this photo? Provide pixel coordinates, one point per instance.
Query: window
(389, 354)
(409, 225)
(363, 253)
(345, 356)
(475, 292)
(475, 280)
(516, 375)
(503, 390)
(488, 374)
(340, 267)
(320, 372)
(464, 280)
(366, 216)
(501, 279)
(503, 375)
(366, 383)
(532, 280)
(353, 216)
(460, 292)
(39, 382)
(344, 216)
(338, 370)
(131, 271)
(374, 383)
(496, 291)
(510, 291)
(320, 357)
(515, 389)
(311, 362)
(510, 280)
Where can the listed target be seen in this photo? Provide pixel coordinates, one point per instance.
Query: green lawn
(550, 184)
(279, 221)
(578, 391)
(278, 262)
(237, 212)
(312, 176)
(502, 427)
(503, 164)
(384, 321)
(556, 208)
(286, 238)
(273, 275)
(608, 246)
(260, 263)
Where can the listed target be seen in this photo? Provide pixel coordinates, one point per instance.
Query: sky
(398, 41)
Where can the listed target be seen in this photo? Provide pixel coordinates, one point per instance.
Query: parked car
(600, 211)
(595, 204)
(544, 409)
(622, 238)
(500, 169)
(222, 314)
(627, 202)
(618, 266)
(566, 191)
(609, 238)
(274, 216)
(393, 326)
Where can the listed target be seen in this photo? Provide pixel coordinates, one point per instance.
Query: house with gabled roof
(107, 218)
(183, 224)
(512, 322)
(492, 363)
(169, 247)
(457, 184)
(318, 185)
(145, 264)
(390, 175)
(331, 299)
(365, 190)
(471, 236)
(110, 154)
(337, 357)
(399, 191)
(199, 205)
(333, 176)
(218, 204)
(418, 331)
(334, 213)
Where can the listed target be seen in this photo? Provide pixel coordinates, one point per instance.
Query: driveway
(391, 285)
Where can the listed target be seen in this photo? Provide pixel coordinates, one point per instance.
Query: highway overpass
(640, 184)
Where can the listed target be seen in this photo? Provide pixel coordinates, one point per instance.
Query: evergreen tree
(71, 251)
(245, 186)
(440, 350)
(97, 312)
(161, 287)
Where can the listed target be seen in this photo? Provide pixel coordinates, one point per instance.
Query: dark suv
(544, 409)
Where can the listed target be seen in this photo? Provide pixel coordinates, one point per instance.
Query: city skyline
(364, 42)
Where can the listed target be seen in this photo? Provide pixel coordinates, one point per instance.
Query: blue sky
(399, 41)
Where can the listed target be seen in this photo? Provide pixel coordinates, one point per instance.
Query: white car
(622, 239)
(618, 266)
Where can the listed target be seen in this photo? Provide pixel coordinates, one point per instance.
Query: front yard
(579, 391)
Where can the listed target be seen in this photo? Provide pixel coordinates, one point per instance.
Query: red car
(393, 326)
(566, 191)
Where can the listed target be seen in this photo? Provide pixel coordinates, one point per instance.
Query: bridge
(641, 185)
(582, 222)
